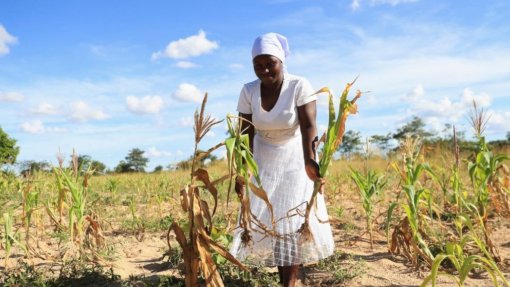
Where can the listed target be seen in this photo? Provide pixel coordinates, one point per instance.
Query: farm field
(120, 225)
(128, 132)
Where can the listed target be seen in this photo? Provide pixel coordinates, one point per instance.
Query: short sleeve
(244, 103)
(305, 93)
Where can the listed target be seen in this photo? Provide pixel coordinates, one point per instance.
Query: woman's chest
(283, 114)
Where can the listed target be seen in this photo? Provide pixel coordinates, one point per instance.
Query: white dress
(278, 152)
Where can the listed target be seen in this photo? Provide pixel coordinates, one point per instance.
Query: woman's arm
(307, 116)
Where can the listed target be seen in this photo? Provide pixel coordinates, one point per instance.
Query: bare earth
(378, 266)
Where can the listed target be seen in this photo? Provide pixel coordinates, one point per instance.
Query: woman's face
(269, 69)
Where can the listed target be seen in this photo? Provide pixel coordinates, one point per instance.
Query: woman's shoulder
(252, 85)
(295, 79)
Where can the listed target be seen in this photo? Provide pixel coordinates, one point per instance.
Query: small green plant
(342, 267)
(10, 237)
(136, 223)
(71, 180)
(464, 263)
(483, 171)
(23, 275)
(112, 185)
(408, 235)
(369, 186)
(29, 203)
(339, 211)
(223, 238)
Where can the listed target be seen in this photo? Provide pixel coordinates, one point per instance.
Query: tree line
(136, 161)
(352, 142)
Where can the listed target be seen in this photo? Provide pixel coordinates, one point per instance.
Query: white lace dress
(279, 154)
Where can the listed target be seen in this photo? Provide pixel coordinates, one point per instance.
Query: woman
(282, 109)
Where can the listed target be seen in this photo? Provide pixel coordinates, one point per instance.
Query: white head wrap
(271, 44)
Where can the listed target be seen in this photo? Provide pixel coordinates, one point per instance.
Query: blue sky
(103, 77)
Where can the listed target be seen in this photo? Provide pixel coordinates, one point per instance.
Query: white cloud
(11, 96)
(482, 100)
(33, 127)
(188, 93)
(6, 39)
(191, 46)
(82, 112)
(37, 127)
(44, 109)
(437, 112)
(154, 152)
(370, 99)
(186, 64)
(145, 105)
(498, 121)
(56, 130)
(416, 94)
(186, 122)
(356, 4)
(390, 2)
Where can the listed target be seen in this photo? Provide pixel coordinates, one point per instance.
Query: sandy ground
(378, 267)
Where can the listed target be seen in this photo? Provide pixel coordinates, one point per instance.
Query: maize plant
(408, 234)
(242, 167)
(332, 139)
(10, 237)
(462, 262)
(73, 185)
(484, 173)
(198, 246)
(459, 196)
(489, 176)
(30, 201)
(369, 186)
(463, 265)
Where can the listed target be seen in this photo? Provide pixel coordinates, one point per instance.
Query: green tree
(381, 141)
(86, 162)
(416, 127)
(98, 166)
(136, 159)
(30, 166)
(158, 168)
(186, 164)
(123, 166)
(351, 142)
(8, 149)
(508, 136)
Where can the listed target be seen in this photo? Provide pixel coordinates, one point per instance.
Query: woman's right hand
(239, 186)
(312, 169)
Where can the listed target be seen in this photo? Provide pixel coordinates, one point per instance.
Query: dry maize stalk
(198, 246)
